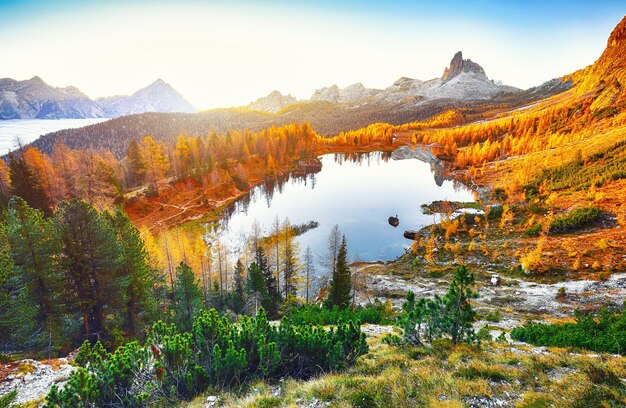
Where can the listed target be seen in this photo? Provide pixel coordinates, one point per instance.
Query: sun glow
(228, 55)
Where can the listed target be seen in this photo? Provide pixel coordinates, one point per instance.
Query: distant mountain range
(35, 99)
(464, 87)
(463, 79)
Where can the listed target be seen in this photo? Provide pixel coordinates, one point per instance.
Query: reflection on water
(357, 191)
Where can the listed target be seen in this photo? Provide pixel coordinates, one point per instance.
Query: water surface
(28, 130)
(358, 194)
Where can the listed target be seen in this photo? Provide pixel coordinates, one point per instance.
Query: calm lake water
(28, 130)
(358, 194)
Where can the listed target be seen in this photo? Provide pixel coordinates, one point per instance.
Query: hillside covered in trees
(107, 248)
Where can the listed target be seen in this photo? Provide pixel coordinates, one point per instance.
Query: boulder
(394, 221)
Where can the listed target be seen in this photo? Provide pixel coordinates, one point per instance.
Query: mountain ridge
(274, 102)
(469, 92)
(463, 79)
(35, 99)
(159, 96)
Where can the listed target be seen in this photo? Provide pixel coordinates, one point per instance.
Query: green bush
(8, 399)
(450, 316)
(602, 332)
(533, 231)
(173, 365)
(316, 315)
(484, 334)
(494, 316)
(576, 219)
(495, 212)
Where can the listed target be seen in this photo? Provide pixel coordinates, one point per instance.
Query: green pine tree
(15, 316)
(188, 295)
(238, 299)
(136, 276)
(340, 290)
(458, 309)
(271, 297)
(34, 250)
(254, 280)
(92, 264)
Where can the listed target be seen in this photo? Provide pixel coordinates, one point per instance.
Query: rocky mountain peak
(159, 96)
(459, 65)
(272, 103)
(609, 69)
(351, 93)
(618, 36)
(37, 80)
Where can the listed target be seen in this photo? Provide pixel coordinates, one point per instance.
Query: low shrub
(602, 332)
(495, 212)
(575, 219)
(561, 294)
(173, 365)
(494, 316)
(316, 315)
(606, 165)
(8, 399)
(533, 231)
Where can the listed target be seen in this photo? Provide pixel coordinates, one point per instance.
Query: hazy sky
(230, 53)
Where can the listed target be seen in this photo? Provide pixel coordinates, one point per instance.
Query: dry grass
(407, 377)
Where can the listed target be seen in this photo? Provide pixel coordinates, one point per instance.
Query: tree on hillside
(340, 289)
(188, 297)
(25, 184)
(291, 263)
(41, 166)
(5, 184)
(333, 244)
(136, 168)
(275, 248)
(92, 257)
(135, 275)
(34, 250)
(270, 296)
(238, 298)
(154, 156)
(449, 316)
(65, 166)
(459, 311)
(17, 315)
(183, 156)
(309, 270)
(255, 288)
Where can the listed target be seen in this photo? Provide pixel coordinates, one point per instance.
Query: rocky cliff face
(458, 65)
(607, 75)
(352, 93)
(272, 103)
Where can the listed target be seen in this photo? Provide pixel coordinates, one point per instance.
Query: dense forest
(327, 119)
(83, 274)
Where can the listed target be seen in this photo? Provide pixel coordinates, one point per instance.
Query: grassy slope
(444, 376)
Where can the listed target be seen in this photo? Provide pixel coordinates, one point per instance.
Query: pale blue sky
(229, 53)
